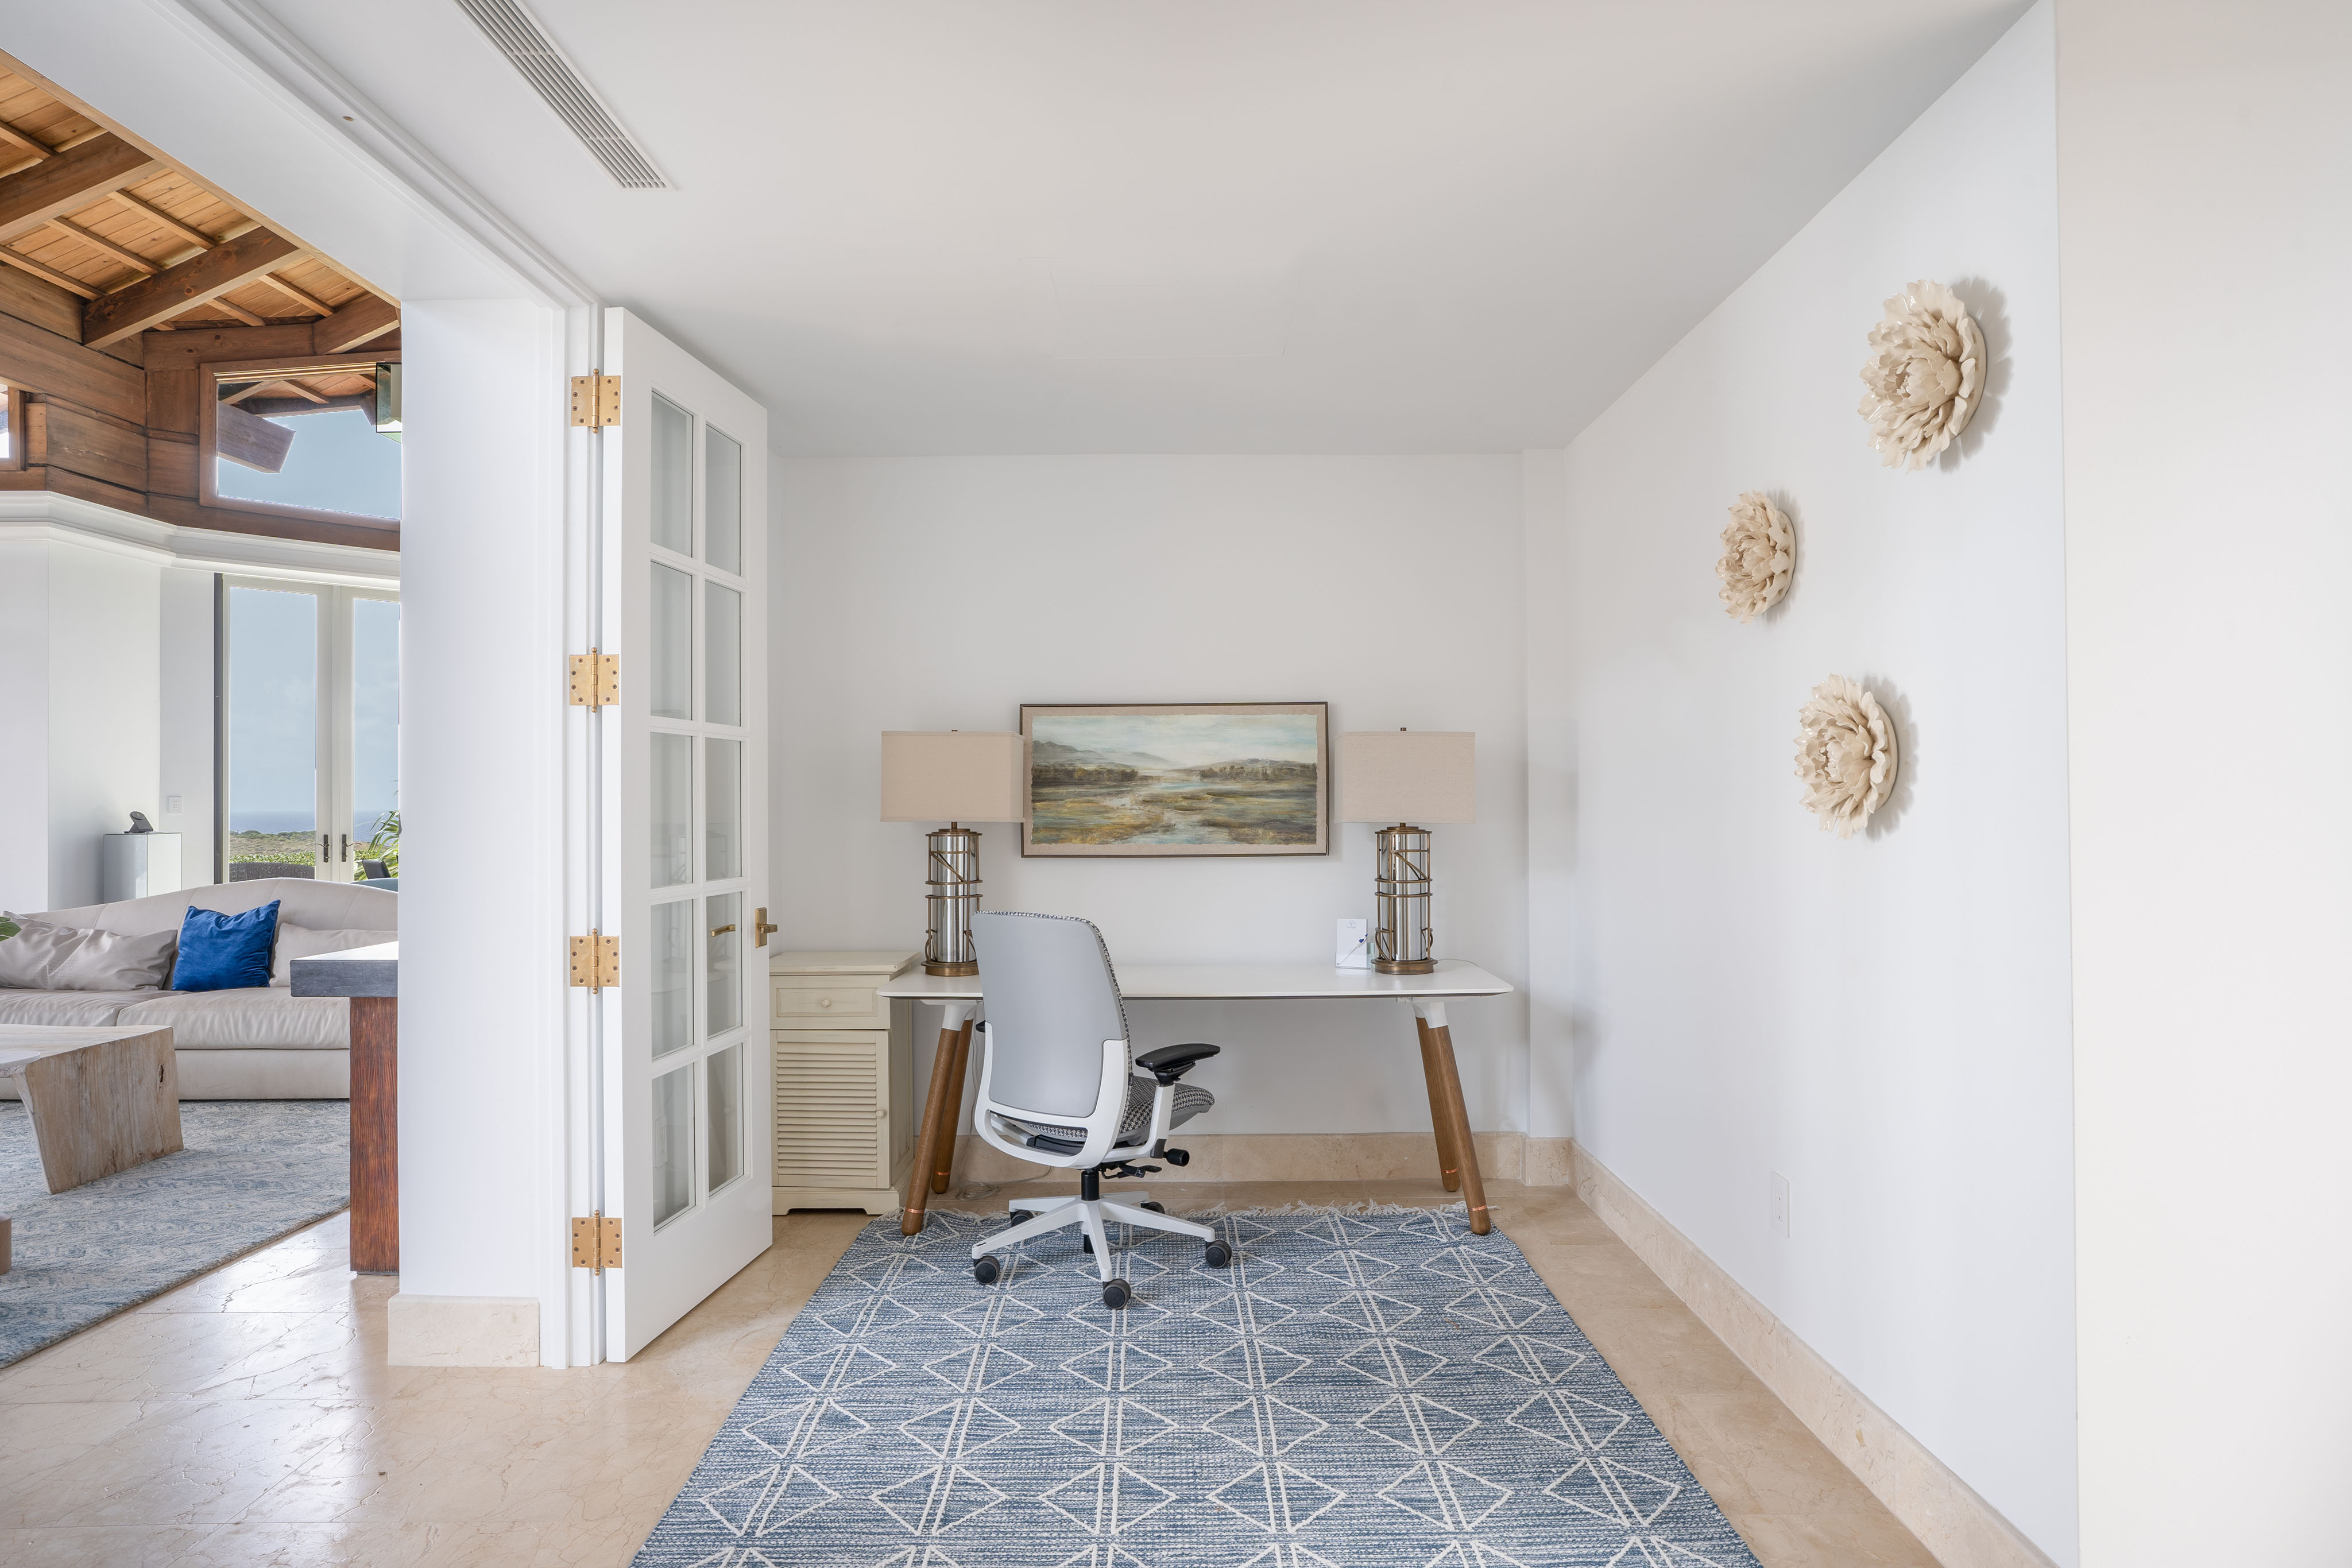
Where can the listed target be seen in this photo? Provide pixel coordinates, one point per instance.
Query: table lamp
(955, 774)
(1404, 780)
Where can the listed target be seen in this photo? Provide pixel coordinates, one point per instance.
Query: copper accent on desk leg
(1457, 1115)
(1449, 1167)
(375, 1135)
(943, 1158)
(927, 1136)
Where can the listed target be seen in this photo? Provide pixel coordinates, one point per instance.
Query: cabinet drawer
(813, 1002)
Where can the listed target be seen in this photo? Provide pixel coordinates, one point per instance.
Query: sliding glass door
(309, 730)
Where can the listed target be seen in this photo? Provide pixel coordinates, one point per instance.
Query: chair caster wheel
(986, 1270)
(1156, 1207)
(1116, 1294)
(1216, 1255)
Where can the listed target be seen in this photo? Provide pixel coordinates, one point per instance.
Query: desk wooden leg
(951, 1113)
(1449, 1166)
(375, 1135)
(938, 1115)
(1457, 1114)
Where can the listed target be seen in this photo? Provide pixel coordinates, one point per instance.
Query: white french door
(687, 1129)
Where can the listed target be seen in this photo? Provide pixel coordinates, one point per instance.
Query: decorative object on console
(1402, 780)
(1177, 779)
(1845, 755)
(1925, 376)
(1759, 557)
(955, 773)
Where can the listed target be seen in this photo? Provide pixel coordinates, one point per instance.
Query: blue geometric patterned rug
(1358, 1390)
(252, 1170)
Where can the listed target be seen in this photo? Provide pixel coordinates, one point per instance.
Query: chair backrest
(1052, 1000)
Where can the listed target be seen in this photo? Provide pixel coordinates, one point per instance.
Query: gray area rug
(252, 1171)
(1360, 1390)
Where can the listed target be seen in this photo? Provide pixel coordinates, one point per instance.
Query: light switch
(171, 805)
(1352, 953)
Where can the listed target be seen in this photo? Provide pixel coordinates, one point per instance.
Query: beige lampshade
(1417, 775)
(952, 776)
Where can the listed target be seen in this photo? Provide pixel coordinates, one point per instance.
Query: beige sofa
(263, 1043)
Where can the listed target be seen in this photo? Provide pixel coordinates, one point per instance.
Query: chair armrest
(1170, 1063)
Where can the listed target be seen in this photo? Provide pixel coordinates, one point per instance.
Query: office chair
(1058, 1086)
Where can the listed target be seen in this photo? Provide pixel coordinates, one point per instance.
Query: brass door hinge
(595, 401)
(596, 1242)
(595, 680)
(596, 960)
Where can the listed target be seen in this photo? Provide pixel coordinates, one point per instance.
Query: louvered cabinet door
(832, 1109)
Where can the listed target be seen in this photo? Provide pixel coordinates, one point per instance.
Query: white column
(2205, 231)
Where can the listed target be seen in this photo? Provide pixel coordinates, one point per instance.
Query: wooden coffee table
(102, 1100)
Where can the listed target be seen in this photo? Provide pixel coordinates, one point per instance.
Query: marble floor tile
(248, 1418)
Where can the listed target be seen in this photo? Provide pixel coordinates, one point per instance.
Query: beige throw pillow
(307, 942)
(30, 959)
(110, 961)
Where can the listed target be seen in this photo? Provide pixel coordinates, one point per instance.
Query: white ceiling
(1171, 226)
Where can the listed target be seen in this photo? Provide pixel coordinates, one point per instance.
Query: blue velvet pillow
(225, 952)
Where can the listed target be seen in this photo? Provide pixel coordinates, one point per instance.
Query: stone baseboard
(1276, 1156)
(461, 1331)
(1944, 1511)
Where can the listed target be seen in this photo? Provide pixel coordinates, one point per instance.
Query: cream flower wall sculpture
(1845, 755)
(1759, 556)
(1925, 375)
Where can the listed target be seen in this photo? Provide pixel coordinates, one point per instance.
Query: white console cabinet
(845, 1081)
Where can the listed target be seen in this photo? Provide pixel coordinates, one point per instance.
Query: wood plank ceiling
(147, 246)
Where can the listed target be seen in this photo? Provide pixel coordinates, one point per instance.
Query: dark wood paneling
(74, 178)
(171, 466)
(375, 1135)
(89, 443)
(175, 288)
(65, 482)
(228, 519)
(44, 305)
(44, 362)
(172, 400)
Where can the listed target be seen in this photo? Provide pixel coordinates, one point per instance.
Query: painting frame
(1277, 826)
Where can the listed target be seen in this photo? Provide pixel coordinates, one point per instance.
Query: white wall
(186, 768)
(25, 726)
(1885, 1020)
(2207, 228)
(482, 1086)
(943, 592)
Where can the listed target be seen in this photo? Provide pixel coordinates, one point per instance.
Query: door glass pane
(273, 734)
(726, 942)
(673, 967)
(376, 733)
(722, 501)
(671, 689)
(722, 816)
(725, 1089)
(724, 671)
(673, 1149)
(672, 858)
(673, 475)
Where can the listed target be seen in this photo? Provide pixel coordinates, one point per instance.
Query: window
(316, 437)
(12, 426)
(308, 730)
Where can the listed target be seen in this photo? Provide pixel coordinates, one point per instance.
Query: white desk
(1457, 1159)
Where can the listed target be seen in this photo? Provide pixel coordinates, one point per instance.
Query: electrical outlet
(1779, 1203)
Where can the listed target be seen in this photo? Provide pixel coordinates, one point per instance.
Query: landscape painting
(1226, 779)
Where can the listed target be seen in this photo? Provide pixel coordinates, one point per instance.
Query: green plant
(8, 928)
(384, 843)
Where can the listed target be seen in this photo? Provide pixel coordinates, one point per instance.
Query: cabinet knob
(825, 1001)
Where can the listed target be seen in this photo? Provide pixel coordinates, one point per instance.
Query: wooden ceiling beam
(200, 280)
(363, 321)
(123, 254)
(69, 182)
(48, 273)
(240, 311)
(23, 142)
(157, 215)
(307, 300)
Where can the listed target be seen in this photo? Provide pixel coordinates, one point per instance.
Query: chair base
(1047, 1214)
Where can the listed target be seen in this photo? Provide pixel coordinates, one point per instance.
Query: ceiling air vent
(550, 71)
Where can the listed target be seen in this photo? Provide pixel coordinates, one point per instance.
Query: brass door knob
(722, 930)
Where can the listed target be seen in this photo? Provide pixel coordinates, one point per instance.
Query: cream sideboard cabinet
(845, 1081)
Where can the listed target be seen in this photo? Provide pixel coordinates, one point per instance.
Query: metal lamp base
(952, 898)
(1401, 938)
